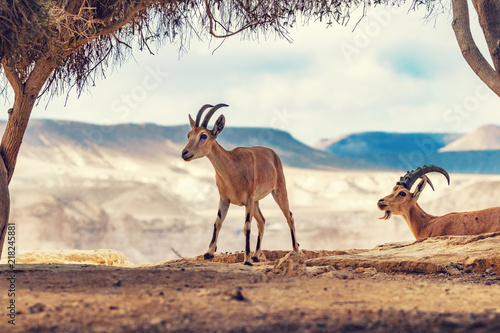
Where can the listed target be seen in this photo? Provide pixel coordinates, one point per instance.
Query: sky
(396, 71)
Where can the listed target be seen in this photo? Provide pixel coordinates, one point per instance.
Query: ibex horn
(210, 114)
(411, 176)
(198, 116)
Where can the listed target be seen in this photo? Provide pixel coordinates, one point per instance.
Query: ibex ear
(219, 125)
(419, 189)
(192, 122)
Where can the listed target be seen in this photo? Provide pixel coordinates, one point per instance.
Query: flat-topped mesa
(243, 176)
(403, 202)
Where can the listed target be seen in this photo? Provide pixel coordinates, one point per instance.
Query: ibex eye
(203, 137)
(403, 194)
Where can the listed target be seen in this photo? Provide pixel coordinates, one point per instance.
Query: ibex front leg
(221, 215)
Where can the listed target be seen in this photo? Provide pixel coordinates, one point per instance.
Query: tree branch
(470, 51)
(126, 18)
(229, 34)
(14, 79)
(110, 28)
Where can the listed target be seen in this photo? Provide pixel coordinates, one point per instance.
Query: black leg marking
(219, 215)
(247, 248)
(214, 235)
(293, 238)
(208, 256)
(248, 217)
(255, 258)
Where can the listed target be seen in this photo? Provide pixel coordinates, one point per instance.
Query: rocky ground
(444, 284)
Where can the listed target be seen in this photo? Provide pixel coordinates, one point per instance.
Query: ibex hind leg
(260, 225)
(281, 198)
(249, 211)
(221, 215)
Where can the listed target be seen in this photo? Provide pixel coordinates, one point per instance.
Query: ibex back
(243, 176)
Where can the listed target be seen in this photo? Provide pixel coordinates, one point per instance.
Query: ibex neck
(418, 221)
(219, 157)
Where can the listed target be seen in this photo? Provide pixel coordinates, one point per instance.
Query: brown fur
(424, 225)
(243, 176)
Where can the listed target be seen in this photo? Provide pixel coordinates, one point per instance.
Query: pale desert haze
(140, 198)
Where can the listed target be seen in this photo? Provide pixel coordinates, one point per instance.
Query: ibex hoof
(255, 259)
(248, 263)
(208, 256)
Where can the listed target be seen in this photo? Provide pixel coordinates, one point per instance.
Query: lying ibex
(243, 176)
(402, 202)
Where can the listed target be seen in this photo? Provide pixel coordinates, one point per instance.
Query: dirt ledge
(443, 284)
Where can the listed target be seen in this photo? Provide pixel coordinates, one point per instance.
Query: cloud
(392, 73)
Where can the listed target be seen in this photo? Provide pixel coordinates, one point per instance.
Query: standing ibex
(402, 202)
(243, 176)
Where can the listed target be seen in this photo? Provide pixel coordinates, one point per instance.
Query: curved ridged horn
(198, 116)
(210, 114)
(411, 176)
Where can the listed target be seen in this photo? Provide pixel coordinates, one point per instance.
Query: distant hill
(476, 152)
(57, 141)
(385, 142)
(484, 138)
(149, 140)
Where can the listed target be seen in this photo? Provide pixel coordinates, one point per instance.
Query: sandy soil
(200, 296)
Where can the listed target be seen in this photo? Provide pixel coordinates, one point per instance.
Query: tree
(53, 46)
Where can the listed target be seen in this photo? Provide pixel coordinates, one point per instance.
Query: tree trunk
(469, 49)
(488, 12)
(25, 97)
(4, 203)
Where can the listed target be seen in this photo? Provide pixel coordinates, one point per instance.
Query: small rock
(453, 268)
(293, 264)
(370, 271)
(315, 271)
(238, 295)
(37, 308)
